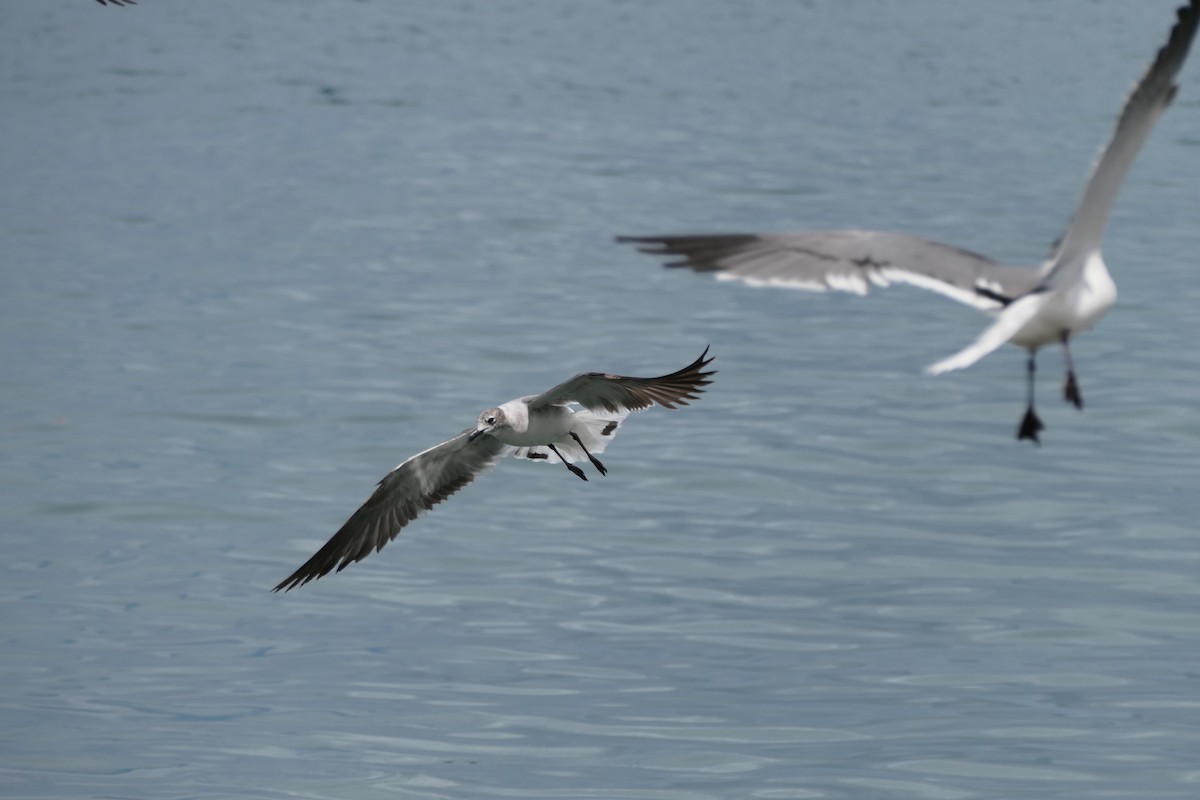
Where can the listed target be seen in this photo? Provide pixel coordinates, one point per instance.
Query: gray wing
(620, 394)
(1146, 103)
(404, 494)
(847, 260)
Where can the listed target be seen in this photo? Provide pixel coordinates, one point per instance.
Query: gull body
(1075, 308)
(535, 430)
(1033, 306)
(570, 422)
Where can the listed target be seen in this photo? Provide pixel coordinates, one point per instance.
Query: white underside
(554, 425)
(1073, 309)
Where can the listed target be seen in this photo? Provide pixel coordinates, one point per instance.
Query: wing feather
(845, 260)
(618, 393)
(408, 491)
(1146, 103)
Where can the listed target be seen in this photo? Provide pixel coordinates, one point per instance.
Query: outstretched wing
(847, 260)
(404, 494)
(619, 394)
(1146, 103)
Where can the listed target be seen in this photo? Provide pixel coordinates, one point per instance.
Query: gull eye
(491, 420)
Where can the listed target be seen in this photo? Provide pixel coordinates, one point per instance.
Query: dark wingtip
(696, 388)
(650, 245)
(291, 582)
(303, 575)
(702, 362)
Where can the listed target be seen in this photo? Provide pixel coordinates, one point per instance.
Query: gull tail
(1008, 323)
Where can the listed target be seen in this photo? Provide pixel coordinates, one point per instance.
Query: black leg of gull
(1071, 388)
(578, 472)
(595, 461)
(1031, 424)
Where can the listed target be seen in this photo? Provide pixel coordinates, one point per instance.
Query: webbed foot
(1030, 425)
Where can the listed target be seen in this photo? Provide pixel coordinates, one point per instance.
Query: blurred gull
(533, 427)
(1033, 307)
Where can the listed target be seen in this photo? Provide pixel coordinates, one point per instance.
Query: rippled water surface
(255, 254)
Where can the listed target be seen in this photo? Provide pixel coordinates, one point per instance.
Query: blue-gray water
(255, 254)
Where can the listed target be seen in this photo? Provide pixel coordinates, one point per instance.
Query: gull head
(489, 421)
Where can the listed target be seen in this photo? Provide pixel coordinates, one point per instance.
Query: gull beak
(475, 434)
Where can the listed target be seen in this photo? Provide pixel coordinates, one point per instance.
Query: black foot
(577, 471)
(1071, 391)
(595, 461)
(1030, 426)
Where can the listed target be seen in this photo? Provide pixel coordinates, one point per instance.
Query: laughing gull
(1033, 307)
(533, 427)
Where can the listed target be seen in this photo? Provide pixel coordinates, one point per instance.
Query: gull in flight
(1033, 307)
(540, 427)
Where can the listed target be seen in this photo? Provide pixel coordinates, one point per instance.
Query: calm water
(255, 254)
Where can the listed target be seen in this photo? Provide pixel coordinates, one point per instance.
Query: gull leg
(595, 461)
(1030, 424)
(1071, 388)
(574, 469)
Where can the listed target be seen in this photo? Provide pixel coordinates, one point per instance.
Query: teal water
(254, 255)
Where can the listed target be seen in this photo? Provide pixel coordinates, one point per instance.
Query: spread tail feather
(1007, 323)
